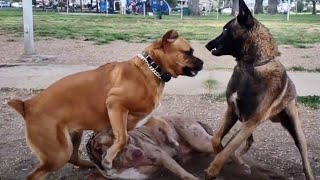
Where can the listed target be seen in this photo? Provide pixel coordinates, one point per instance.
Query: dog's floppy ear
(170, 36)
(245, 17)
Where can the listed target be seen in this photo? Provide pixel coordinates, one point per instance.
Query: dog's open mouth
(194, 72)
(213, 50)
(190, 71)
(216, 50)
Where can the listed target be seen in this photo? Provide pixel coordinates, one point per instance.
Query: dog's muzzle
(198, 65)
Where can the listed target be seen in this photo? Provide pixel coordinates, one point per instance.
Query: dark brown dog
(148, 150)
(258, 90)
(116, 95)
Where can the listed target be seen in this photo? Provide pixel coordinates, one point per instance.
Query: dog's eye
(225, 29)
(190, 52)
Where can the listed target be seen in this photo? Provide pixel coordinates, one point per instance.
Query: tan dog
(116, 95)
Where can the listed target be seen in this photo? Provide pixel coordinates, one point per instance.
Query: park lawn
(300, 31)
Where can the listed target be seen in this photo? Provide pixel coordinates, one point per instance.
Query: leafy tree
(172, 3)
(300, 6)
(313, 6)
(272, 6)
(194, 7)
(235, 7)
(258, 7)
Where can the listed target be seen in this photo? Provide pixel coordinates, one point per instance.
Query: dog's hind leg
(230, 118)
(75, 159)
(52, 145)
(196, 136)
(162, 125)
(290, 120)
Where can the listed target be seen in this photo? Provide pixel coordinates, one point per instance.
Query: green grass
(300, 68)
(209, 84)
(296, 68)
(310, 101)
(300, 31)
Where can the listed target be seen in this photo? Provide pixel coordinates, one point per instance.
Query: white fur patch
(147, 118)
(233, 99)
(130, 173)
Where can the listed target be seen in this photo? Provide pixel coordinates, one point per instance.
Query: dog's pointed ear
(170, 36)
(245, 17)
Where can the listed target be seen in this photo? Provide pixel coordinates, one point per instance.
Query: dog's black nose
(208, 47)
(199, 64)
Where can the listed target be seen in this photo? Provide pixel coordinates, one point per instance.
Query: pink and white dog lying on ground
(150, 149)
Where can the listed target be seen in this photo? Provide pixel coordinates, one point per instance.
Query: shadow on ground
(231, 171)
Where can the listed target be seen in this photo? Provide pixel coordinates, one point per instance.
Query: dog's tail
(17, 105)
(207, 128)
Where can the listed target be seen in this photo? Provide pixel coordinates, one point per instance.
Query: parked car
(4, 4)
(226, 10)
(283, 7)
(17, 4)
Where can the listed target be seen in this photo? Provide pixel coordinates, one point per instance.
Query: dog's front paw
(208, 176)
(106, 164)
(173, 141)
(246, 168)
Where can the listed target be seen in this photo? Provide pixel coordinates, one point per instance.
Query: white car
(226, 10)
(283, 7)
(17, 4)
(4, 4)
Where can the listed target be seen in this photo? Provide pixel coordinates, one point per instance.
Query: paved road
(38, 77)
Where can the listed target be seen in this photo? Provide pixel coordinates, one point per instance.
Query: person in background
(123, 7)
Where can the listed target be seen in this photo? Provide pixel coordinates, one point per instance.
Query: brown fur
(116, 95)
(258, 90)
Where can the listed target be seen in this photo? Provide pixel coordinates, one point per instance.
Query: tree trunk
(235, 7)
(80, 5)
(258, 8)
(272, 6)
(314, 7)
(194, 7)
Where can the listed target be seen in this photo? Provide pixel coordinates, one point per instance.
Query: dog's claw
(207, 177)
(106, 164)
(247, 168)
(174, 142)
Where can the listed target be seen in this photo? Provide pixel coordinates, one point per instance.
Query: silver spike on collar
(154, 67)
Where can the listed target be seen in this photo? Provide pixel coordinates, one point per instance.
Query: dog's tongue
(194, 73)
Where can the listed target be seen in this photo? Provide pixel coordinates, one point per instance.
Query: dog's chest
(233, 99)
(145, 119)
(155, 106)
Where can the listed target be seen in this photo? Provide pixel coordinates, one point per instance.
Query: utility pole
(67, 6)
(144, 8)
(218, 7)
(28, 28)
(181, 10)
(288, 10)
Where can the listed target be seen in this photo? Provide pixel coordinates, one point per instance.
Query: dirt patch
(273, 149)
(58, 51)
